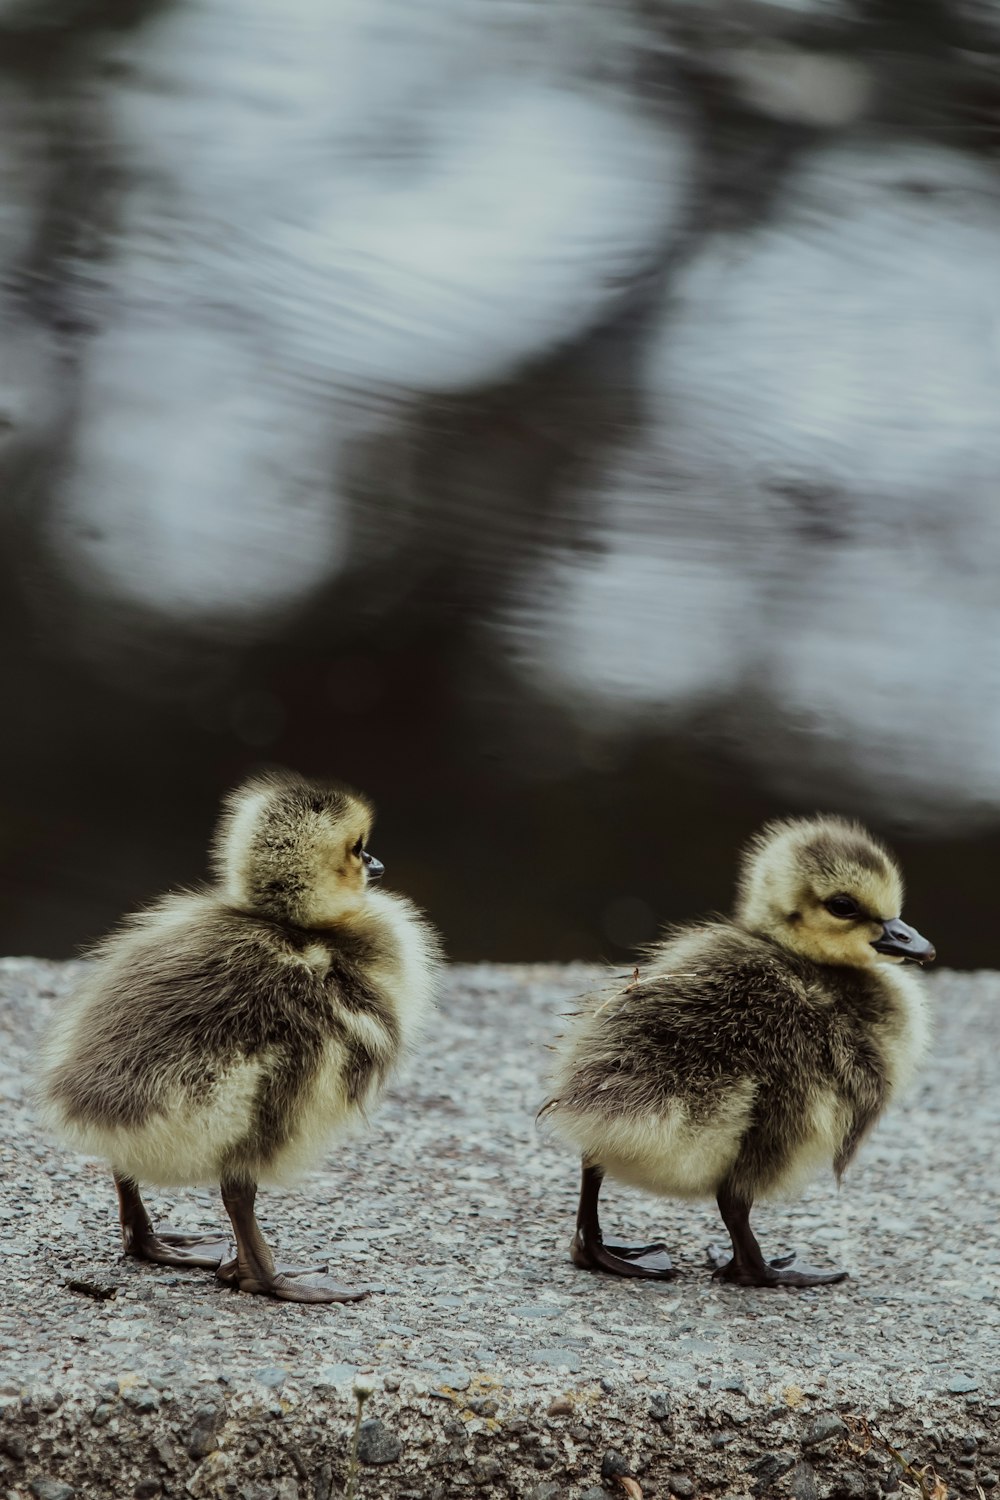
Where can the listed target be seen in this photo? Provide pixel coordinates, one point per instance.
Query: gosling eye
(843, 907)
(356, 851)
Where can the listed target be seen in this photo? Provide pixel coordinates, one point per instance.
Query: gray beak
(375, 867)
(904, 942)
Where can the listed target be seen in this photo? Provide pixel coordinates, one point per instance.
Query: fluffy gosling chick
(753, 1051)
(225, 1035)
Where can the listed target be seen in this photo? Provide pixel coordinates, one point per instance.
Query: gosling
(227, 1035)
(753, 1052)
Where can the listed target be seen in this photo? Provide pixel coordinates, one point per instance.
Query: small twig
(926, 1478)
(362, 1390)
(101, 1291)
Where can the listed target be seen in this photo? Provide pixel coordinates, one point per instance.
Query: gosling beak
(375, 867)
(904, 942)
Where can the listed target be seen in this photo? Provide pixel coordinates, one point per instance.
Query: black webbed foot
(229, 1271)
(747, 1267)
(590, 1251)
(635, 1252)
(170, 1247)
(647, 1261)
(783, 1270)
(287, 1283)
(253, 1267)
(165, 1247)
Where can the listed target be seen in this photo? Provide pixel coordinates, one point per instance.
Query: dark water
(575, 425)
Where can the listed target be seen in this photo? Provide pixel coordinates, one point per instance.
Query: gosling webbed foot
(168, 1247)
(747, 1266)
(783, 1270)
(650, 1262)
(590, 1251)
(229, 1271)
(253, 1267)
(718, 1258)
(288, 1286)
(185, 1238)
(164, 1247)
(298, 1289)
(635, 1252)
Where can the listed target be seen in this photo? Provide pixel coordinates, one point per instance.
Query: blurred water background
(574, 422)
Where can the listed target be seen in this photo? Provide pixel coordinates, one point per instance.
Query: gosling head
(295, 850)
(826, 889)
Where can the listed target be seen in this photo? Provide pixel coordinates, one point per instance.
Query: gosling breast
(209, 1042)
(729, 1050)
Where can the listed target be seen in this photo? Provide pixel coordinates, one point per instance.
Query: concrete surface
(497, 1368)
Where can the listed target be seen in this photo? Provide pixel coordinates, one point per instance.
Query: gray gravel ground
(497, 1368)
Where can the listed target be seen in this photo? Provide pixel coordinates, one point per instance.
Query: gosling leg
(166, 1247)
(747, 1266)
(590, 1251)
(253, 1268)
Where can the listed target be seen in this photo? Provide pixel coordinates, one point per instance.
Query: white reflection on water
(418, 197)
(644, 623)
(30, 394)
(380, 198)
(527, 212)
(197, 489)
(328, 222)
(817, 520)
(898, 677)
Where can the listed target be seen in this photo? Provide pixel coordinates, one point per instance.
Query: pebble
(203, 1436)
(823, 1429)
(273, 1377)
(802, 1482)
(141, 1398)
(959, 1384)
(51, 1489)
(660, 1408)
(771, 1466)
(613, 1465)
(681, 1486)
(166, 1452)
(562, 1406)
(323, 1483)
(14, 1445)
(378, 1444)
